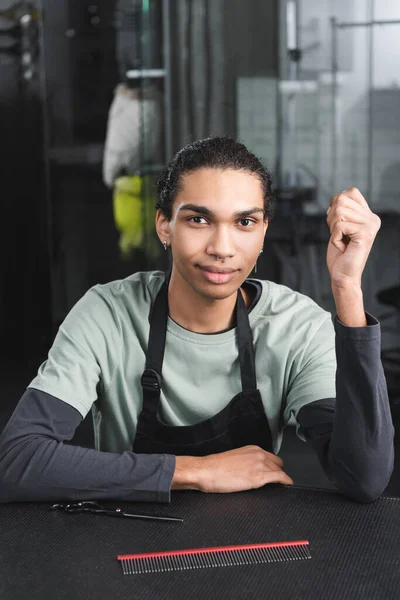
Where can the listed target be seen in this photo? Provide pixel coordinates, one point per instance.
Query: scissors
(88, 506)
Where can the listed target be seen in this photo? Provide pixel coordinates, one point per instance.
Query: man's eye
(246, 222)
(197, 220)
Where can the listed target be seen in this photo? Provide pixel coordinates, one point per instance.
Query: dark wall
(52, 128)
(24, 261)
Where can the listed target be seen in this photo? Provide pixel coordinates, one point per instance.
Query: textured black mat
(355, 548)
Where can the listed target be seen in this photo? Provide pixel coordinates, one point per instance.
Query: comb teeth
(201, 558)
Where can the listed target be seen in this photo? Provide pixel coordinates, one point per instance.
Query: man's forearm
(35, 467)
(349, 305)
(361, 451)
(90, 474)
(352, 434)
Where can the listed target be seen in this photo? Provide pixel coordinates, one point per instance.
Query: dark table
(355, 548)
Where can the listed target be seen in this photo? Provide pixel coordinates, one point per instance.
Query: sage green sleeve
(312, 369)
(81, 361)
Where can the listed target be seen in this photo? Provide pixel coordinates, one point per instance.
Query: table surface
(355, 548)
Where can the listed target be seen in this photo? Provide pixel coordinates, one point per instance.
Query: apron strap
(244, 337)
(151, 380)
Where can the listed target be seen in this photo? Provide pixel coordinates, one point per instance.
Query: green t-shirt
(98, 357)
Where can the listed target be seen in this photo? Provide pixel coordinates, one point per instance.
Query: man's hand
(353, 228)
(232, 471)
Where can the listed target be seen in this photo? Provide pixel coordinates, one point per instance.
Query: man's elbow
(361, 494)
(366, 488)
(9, 491)
(17, 482)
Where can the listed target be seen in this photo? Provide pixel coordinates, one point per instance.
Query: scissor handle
(75, 507)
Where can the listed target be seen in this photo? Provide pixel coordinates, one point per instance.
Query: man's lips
(212, 269)
(217, 274)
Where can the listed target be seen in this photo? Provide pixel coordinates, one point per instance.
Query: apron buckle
(151, 380)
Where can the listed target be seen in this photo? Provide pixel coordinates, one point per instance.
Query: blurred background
(96, 97)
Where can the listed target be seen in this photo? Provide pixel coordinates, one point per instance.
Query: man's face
(217, 213)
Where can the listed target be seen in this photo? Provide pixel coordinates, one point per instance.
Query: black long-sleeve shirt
(352, 435)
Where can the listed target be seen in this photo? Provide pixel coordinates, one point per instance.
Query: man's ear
(163, 227)
(266, 223)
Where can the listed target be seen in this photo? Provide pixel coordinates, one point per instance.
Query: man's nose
(222, 243)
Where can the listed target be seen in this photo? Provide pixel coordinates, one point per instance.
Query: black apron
(240, 423)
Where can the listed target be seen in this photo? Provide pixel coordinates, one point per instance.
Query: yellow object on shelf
(134, 212)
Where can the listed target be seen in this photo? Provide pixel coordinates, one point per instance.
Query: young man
(192, 376)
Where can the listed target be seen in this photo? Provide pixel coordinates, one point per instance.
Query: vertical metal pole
(280, 133)
(334, 68)
(318, 146)
(47, 175)
(370, 101)
(292, 45)
(279, 136)
(167, 80)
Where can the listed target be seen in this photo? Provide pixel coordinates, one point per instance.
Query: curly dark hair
(216, 153)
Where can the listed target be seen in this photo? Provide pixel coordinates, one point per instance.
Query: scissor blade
(151, 517)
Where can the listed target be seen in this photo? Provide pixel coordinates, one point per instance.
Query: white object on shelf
(142, 73)
(291, 86)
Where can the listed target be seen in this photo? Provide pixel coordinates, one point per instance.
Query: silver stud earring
(165, 245)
